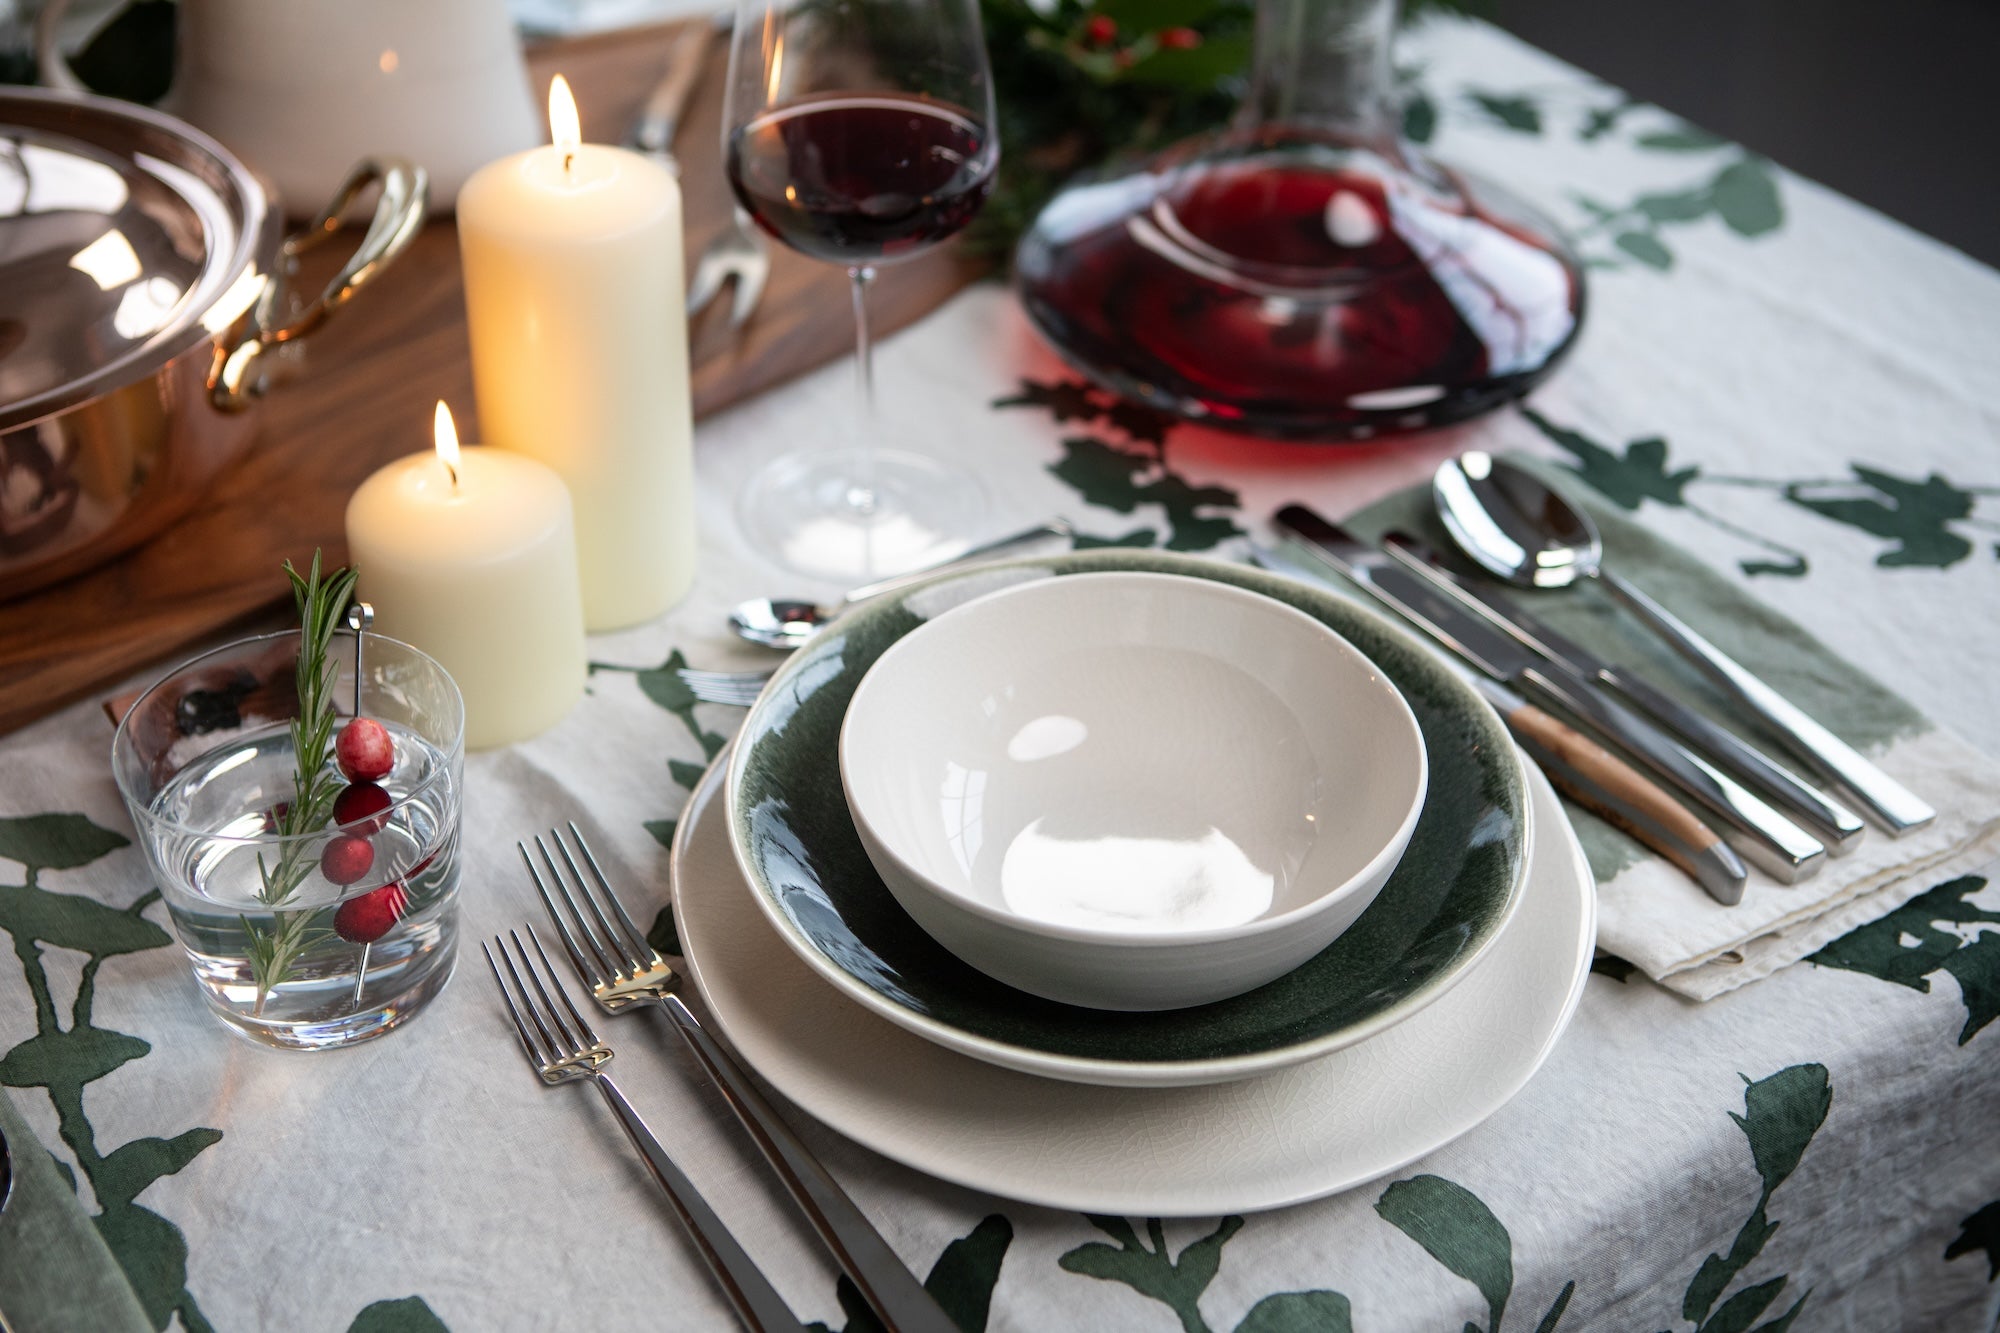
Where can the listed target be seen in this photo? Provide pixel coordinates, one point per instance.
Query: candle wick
(569, 159)
(454, 476)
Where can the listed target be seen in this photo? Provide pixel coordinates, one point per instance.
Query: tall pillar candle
(574, 292)
(470, 555)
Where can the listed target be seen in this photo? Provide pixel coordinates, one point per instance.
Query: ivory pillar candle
(574, 296)
(470, 555)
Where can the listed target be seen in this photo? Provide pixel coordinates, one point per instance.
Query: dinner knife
(1764, 837)
(1826, 819)
(1589, 774)
(652, 133)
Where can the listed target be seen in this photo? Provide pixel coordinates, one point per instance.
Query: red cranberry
(367, 918)
(346, 858)
(1179, 39)
(1102, 30)
(363, 808)
(365, 752)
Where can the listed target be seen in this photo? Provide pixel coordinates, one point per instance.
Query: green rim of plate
(1455, 887)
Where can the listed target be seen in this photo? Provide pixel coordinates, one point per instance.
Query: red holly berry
(1102, 30)
(367, 918)
(346, 858)
(1179, 39)
(364, 807)
(364, 750)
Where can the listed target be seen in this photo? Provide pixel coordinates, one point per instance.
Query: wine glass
(860, 132)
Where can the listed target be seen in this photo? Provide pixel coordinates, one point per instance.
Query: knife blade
(1826, 819)
(1764, 837)
(652, 133)
(1588, 773)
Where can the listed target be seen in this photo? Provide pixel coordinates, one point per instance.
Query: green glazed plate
(1456, 886)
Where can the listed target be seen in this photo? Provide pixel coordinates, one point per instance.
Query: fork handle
(888, 1286)
(757, 1304)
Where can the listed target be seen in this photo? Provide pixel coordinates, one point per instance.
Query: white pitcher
(302, 89)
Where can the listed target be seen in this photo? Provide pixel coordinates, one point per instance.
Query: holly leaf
(1746, 198)
(1685, 140)
(1515, 112)
(56, 842)
(1913, 514)
(1299, 1312)
(1458, 1231)
(1981, 1231)
(1646, 248)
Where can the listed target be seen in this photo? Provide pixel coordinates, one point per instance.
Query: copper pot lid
(126, 237)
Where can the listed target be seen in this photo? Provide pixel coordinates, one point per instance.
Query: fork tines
(606, 949)
(552, 1044)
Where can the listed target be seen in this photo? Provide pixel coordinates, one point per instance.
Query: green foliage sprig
(316, 783)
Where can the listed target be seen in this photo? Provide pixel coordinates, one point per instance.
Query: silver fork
(740, 255)
(612, 957)
(733, 689)
(563, 1052)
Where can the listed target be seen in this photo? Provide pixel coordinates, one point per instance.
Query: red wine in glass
(861, 179)
(1291, 284)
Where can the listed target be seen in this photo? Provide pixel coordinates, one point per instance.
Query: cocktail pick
(360, 615)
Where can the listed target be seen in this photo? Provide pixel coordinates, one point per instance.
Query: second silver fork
(623, 971)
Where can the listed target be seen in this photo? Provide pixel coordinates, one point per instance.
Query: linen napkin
(1649, 913)
(55, 1271)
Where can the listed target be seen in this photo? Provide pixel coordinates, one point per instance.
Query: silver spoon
(785, 624)
(1524, 531)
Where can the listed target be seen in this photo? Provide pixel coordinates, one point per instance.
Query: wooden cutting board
(364, 391)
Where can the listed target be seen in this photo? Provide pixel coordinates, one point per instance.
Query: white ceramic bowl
(1131, 790)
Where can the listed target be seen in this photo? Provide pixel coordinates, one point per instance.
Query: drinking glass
(862, 133)
(289, 948)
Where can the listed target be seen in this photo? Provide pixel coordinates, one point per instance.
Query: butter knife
(1826, 819)
(1760, 833)
(1589, 774)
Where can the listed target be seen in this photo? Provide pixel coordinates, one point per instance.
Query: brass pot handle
(399, 216)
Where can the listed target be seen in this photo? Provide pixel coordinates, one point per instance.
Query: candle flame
(565, 130)
(446, 434)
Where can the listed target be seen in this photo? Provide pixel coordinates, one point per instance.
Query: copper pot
(142, 291)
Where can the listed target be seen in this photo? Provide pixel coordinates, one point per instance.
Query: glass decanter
(1305, 273)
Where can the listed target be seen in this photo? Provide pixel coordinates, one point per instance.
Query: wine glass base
(816, 515)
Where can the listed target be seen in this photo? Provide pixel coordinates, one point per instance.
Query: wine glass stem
(861, 493)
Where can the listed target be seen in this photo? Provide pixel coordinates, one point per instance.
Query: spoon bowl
(1514, 525)
(776, 623)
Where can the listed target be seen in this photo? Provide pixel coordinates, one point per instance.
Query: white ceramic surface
(301, 90)
(1300, 1133)
(1131, 790)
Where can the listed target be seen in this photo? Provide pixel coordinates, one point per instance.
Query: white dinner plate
(1309, 1130)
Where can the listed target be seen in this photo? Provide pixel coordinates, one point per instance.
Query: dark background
(1893, 102)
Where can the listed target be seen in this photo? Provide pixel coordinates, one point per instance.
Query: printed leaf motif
(73, 922)
(1148, 1270)
(966, 1273)
(56, 1058)
(1141, 424)
(1687, 140)
(1299, 1312)
(1746, 198)
(664, 935)
(664, 686)
(686, 774)
(1783, 1321)
(1646, 248)
(1913, 514)
(1680, 206)
(662, 830)
(1420, 118)
(1781, 1115)
(1065, 400)
(1628, 479)
(56, 842)
(135, 1165)
(1981, 1231)
(1515, 112)
(1556, 1308)
(409, 1315)
(1457, 1230)
(1138, 537)
(154, 1256)
(1878, 950)
(1102, 474)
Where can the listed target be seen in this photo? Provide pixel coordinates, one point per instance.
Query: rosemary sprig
(315, 784)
